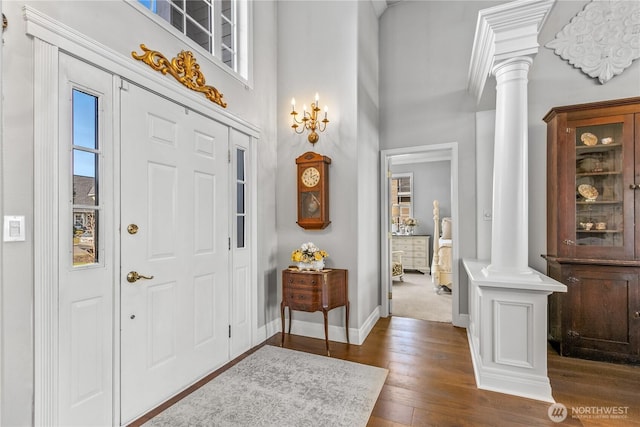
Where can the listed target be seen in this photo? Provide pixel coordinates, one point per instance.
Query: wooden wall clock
(313, 191)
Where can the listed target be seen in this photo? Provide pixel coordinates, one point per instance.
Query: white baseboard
(316, 330)
(461, 321)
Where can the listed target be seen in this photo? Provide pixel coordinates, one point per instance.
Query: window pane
(227, 34)
(240, 232)
(240, 164)
(149, 4)
(198, 35)
(227, 10)
(200, 12)
(227, 57)
(85, 113)
(177, 19)
(84, 163)
(240, 197)
(84, 191)
(85, 242)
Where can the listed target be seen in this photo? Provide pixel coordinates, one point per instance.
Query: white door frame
(50, 38)
(423, 153)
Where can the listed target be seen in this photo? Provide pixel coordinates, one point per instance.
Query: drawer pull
(636, 315)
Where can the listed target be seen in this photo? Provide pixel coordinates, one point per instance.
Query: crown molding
(503, 32)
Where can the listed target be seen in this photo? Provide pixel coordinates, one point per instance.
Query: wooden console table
(315, 291)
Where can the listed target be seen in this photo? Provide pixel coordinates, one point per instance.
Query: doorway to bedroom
(412, 285)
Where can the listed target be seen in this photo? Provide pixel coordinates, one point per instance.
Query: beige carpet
(416, 297)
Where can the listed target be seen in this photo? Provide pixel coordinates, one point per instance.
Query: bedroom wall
(431, 181)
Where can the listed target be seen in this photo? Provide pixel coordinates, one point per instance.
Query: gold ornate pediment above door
(184, 68)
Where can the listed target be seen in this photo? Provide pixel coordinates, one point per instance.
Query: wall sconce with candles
(310, 120)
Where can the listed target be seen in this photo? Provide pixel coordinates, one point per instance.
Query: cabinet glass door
(602, 224)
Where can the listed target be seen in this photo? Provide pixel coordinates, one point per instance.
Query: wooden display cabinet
(593, 244)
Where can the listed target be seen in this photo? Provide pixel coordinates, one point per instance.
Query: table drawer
(304, 301)
(302, 282)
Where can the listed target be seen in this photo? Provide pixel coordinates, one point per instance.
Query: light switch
(14, 228)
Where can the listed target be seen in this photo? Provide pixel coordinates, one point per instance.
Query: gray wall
(340, 64)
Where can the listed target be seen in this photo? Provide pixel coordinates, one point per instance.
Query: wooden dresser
(415, 251)
(315, 291)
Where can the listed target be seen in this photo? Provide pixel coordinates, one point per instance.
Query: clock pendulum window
(313, 191)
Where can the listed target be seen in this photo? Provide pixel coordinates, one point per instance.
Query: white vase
(313, 265)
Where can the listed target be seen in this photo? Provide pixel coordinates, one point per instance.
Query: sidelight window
(241, 186)
(85, 170)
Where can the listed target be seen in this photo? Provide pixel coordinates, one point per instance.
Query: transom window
(213, 24)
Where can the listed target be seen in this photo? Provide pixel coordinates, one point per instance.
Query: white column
(509, 239)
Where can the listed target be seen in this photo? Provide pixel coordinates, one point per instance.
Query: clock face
(310, 177)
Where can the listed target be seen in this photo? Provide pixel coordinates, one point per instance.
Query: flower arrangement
(411, 222)
(308, 252)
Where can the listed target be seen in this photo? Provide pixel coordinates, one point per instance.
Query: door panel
(242, 291)
(174, 187)
(86, 264)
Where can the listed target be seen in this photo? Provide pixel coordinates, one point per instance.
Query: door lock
(133, 276)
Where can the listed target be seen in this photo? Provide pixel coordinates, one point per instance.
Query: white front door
(175, 221)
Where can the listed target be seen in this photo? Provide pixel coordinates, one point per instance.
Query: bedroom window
(216, 25)
(401, 198)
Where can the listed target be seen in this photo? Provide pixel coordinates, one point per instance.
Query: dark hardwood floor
(431, 381)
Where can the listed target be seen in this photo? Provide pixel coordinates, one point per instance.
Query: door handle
(133, 276)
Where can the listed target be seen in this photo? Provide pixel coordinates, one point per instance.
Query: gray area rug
(280, 387)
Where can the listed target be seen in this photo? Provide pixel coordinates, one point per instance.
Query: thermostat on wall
(14, 228)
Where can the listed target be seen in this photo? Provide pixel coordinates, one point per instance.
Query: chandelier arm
(294, 115)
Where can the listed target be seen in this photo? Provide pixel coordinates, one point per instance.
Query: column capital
(521, 63)
(503, 32)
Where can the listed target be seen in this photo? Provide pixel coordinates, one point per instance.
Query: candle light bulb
(304, 108)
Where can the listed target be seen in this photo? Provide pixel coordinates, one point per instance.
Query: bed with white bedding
(442, 251)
